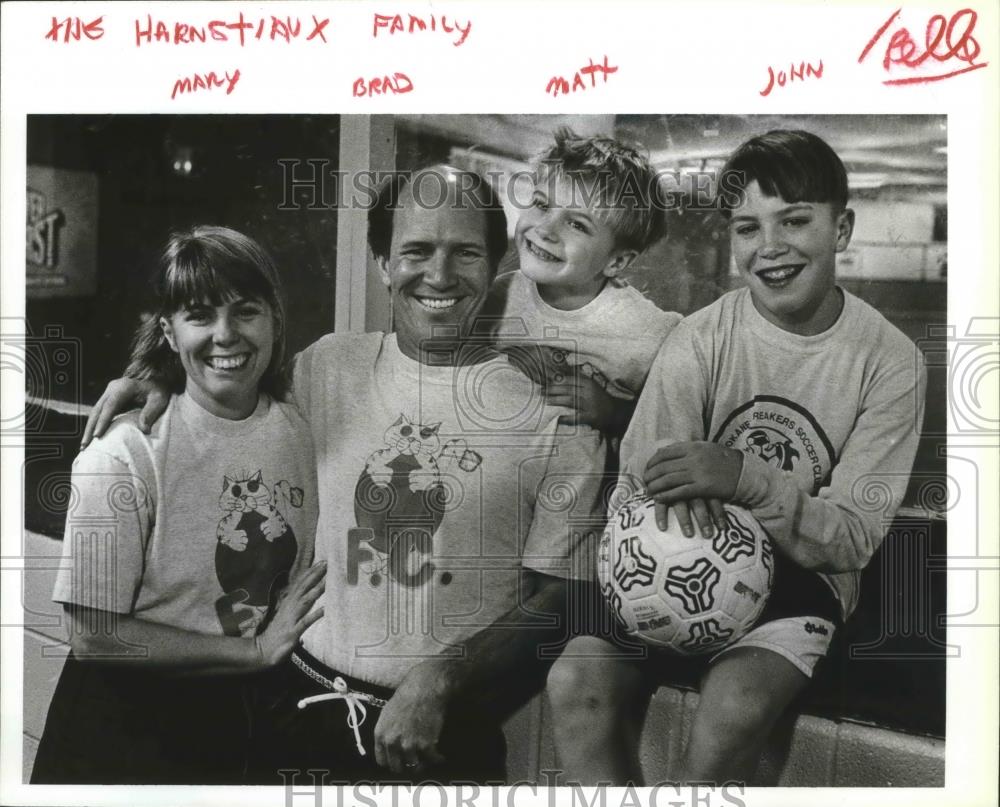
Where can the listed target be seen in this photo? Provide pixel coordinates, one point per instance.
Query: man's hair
(213, 265)
(624, 185)
(472, 190)
(795, 165)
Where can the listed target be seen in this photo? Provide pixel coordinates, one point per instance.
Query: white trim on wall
(367, 142)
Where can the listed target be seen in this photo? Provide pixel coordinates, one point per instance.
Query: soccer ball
(693, 595)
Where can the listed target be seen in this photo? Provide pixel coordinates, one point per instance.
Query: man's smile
(437, 303)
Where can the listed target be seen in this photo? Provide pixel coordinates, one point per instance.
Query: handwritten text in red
(73, 29)
(288, 29)
(205, 81)
(559, 85)
(394, 24)
(795, 73)
(945, 41)
(396, 84)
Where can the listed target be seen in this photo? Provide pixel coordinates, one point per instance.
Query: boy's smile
(786, 251)
(778, 277)
(538, 252)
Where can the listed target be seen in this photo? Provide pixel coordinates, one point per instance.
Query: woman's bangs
(201, 281)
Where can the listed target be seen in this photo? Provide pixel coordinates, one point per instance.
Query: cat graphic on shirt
(418, 444)
(401, 497)
(255, 550)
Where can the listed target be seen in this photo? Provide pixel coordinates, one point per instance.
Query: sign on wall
(61, 234)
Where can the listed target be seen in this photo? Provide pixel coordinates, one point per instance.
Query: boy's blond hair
(616, 178)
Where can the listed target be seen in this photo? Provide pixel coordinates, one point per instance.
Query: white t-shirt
(194, 525)
(438, 485)
(828, 424)
(612, 339)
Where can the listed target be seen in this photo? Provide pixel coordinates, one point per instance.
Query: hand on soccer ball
(694, 473)
(706, 514)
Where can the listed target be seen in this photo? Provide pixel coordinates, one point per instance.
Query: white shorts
(803, 640)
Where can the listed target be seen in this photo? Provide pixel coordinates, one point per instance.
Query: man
(456, 510)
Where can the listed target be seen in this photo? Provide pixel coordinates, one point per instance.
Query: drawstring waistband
(355, 701)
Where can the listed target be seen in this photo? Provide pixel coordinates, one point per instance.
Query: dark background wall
(234, 180)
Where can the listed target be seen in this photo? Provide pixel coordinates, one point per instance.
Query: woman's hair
(213, 265)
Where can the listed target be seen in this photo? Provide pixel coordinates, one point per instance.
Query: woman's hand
(292, 617)
(121, 395)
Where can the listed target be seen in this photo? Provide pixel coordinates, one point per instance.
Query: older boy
(792, 398)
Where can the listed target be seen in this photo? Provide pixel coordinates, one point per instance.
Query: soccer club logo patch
(784, 435)
(772, 447)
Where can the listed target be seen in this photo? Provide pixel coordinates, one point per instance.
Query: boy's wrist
(734, 458)
(754, 481)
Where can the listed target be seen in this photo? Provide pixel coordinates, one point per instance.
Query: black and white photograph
(369, 448)
(277, 530)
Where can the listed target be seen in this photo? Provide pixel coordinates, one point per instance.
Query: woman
(179, 542)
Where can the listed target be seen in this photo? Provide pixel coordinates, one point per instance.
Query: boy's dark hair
(208, 264)
(794, 165)
(624, 184)
(472, 189)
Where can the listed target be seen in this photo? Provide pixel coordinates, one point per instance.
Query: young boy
(790, 397)
(566, 318)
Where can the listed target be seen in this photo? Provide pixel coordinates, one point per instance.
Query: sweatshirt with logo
(828, 424)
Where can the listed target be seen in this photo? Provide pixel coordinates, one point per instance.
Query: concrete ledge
(871, 757)
(28, 760)
(45, 636)
(803, 751)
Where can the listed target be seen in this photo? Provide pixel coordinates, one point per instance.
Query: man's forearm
(505, 663)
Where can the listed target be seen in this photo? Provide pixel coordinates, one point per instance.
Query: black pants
(319, 739)
(122, 725)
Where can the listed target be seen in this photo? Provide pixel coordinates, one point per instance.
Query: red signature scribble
(944, 40)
